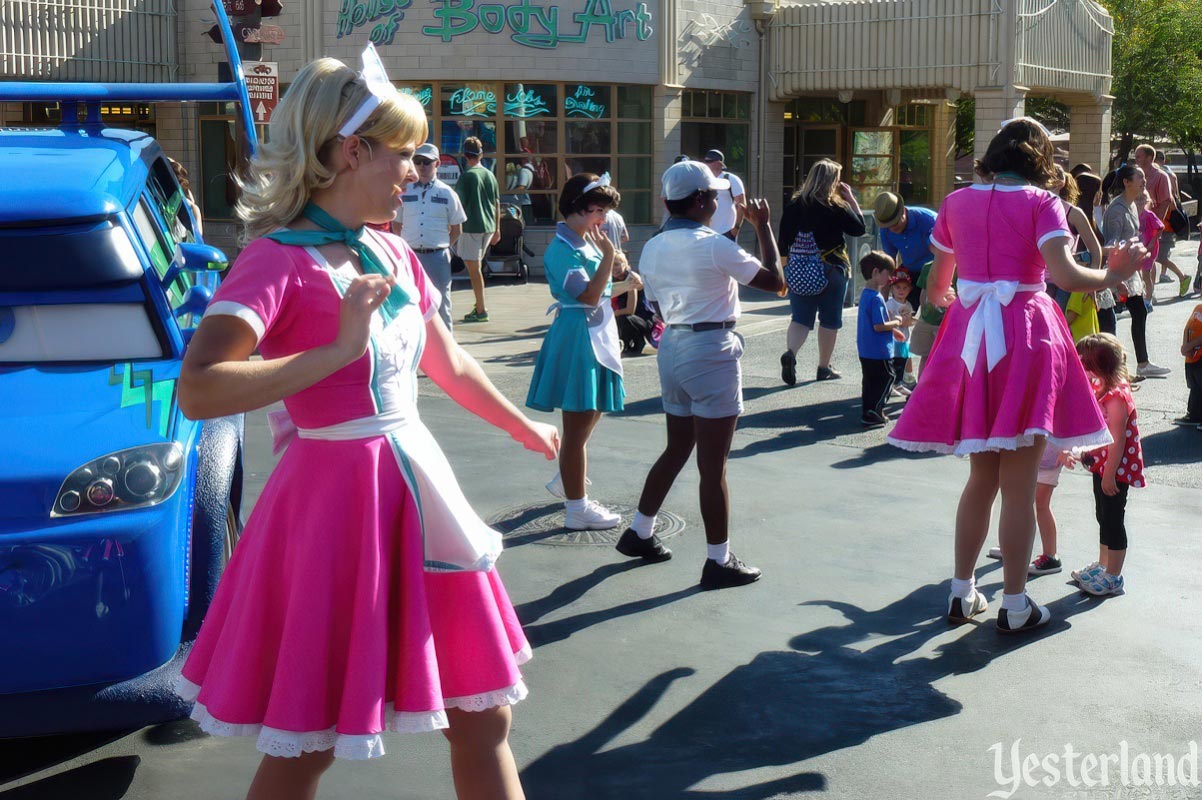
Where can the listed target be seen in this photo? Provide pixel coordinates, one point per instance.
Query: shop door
(873, 163)
(805, 145)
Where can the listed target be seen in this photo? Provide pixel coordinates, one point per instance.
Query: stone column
(995, 104)
(665, 128)
(943, 152)
(1089, 139)
(773, 179)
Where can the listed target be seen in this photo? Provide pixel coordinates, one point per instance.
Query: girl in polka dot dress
(1106, 364)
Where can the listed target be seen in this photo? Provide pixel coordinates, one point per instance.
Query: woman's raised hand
(1124, 258)
(539, 437)
(598, 237)
(365, 294)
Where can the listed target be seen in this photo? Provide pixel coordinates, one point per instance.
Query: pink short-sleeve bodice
(290, 297)
(1003, 369)
(995, 231)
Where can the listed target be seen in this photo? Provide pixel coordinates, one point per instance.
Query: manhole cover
(543, 524)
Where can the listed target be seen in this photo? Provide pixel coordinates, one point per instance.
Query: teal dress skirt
(567, 374)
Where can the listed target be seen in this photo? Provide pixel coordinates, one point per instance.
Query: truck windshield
(72, 293)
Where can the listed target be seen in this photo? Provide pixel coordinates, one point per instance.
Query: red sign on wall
(263, 86)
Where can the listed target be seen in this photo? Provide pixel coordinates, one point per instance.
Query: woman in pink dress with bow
(362, 597)
(1004, 378)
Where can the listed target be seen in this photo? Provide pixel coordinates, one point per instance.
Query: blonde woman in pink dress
(1003, 378)
(362, 596)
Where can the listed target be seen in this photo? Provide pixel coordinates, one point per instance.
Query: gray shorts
(700, 374)
(1167, 240)
(471, 246)
(922, 337)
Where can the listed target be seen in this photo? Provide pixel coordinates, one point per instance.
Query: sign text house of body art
(535, 25)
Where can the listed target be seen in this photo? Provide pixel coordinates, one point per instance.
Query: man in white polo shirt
(732, 201)
(431, 220)
(692, 274)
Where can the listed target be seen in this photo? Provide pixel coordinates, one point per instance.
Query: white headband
(376, 78)
(1031, 120)
(597, 184)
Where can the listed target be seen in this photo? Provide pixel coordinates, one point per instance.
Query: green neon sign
(581, 103)
(538, 26)
(386, 13)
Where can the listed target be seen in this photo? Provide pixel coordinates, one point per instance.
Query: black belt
(427, 250)
(704, 326)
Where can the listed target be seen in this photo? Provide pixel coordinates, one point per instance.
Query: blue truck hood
(54, 419)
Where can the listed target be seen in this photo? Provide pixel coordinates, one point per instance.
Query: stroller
(506, 256)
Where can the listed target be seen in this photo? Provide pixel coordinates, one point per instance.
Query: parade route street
(836, 675)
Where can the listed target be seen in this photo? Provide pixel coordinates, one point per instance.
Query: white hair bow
(1031, 120)
(597, 184)
(376, 78)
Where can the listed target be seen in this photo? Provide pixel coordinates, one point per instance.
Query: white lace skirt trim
(965, 447)
(291, 744)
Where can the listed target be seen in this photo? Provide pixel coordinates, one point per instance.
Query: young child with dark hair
(874, 338)
(1116, 467)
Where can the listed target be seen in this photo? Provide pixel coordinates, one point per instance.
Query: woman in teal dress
(579, 368)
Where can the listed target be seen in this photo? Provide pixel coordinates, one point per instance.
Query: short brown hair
(1023, 148)
(1104, 356)
(573, 199)
(876, 261)
(473, 146)
(1147, 150)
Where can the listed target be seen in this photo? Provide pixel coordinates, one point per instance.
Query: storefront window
(537, 135)
(726, 126)
(827, 109)
(218, 162)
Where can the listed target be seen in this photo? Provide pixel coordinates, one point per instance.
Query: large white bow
(376, 78)
(986, 320)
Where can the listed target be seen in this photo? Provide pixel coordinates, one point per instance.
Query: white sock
(643, 525)
(963, 589)
(718, 552)
(576, 505)
(1014, 602)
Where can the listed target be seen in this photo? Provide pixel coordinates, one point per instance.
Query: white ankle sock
(643, 525)
(718, 552)
(576, 505)
(1014, 602)
(963, 589)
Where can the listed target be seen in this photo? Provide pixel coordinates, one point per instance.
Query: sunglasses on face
(423, 162)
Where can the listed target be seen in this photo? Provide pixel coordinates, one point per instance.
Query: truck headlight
(133, 478)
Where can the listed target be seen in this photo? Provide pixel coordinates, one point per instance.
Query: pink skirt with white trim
(1039, 388)
(325, 630)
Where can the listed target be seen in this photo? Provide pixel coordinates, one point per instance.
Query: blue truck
(117, 513)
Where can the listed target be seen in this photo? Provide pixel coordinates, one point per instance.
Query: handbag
(1178, 222)
(806, 270)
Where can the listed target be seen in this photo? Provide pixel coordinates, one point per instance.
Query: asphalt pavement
(835, 675)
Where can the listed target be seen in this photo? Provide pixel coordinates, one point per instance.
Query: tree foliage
(1157, 67)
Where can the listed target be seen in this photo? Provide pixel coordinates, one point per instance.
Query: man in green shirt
(481, 198)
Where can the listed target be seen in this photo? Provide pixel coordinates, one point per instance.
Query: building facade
(618, 86)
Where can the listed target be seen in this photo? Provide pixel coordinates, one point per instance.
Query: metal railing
(88, 40)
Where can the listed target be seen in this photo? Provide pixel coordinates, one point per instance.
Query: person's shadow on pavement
(834, 689)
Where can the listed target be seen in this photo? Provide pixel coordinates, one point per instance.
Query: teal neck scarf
(334, 231)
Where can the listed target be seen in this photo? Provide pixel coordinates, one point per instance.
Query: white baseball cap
(682, 179)
(427, 150)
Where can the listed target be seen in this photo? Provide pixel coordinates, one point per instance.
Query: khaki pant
(922, 337)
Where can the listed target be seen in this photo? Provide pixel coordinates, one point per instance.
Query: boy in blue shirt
(874, 338)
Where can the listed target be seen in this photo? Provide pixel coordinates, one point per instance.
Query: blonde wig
(821, 185)
(290, 165)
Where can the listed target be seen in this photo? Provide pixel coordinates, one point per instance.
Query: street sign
(239, 8)
(263, 86)
(265, 34)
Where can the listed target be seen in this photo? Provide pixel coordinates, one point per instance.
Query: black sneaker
(633, 545)
(828, 374)
(1187, 421)
(788, 368)
(733, 573)
(1030, 618)
(873, 420)
(1044, 565)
